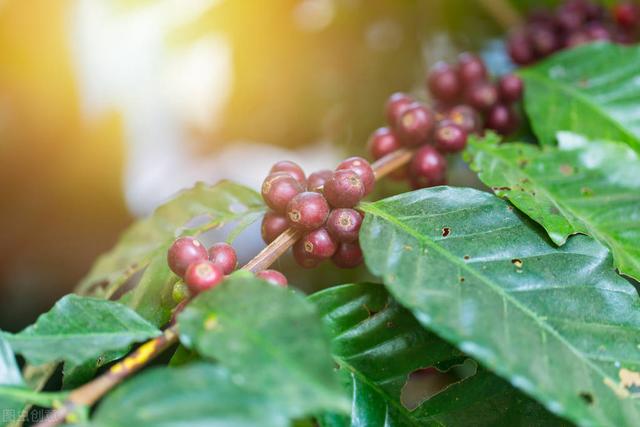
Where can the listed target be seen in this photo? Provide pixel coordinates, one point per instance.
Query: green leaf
(592, 90)
(556, 322)
(193, 395)
(590, 187)
(79, 328)
(208, 206)
(271, 338)
(378, 344)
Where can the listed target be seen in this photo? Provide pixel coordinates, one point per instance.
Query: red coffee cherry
(395, 106)
(348, 255)
(183, 252)
(450, 138)
(471, 69)
(428, 168)
(627, 15)
(363, 169)
(543, 39)
(318, 244)
(510, 87)
(308, 210)
(203, 275)
(274, 277)
(292, 169)
(224, 256)
(502, 119)
(278, 189)
(382, 142)
(482, 96)
(465, 117)
(273, 225)
(443, 83)
(345, 189)
(303, 259)
(520, 50)
(415, 124)
(344, 224)
(316, 180)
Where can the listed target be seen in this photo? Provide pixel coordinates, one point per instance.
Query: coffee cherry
(471, 69)
(520, 50)
(363, 169)
(415, 124)
(180, 292)
(502, 119)
(443, 82)
(344, 224)
(308, 210)
(597, 31)
(316, 180)
(627, 15)
(278, 189)
(345, 189)
(303, 259)
(395, 106)
(482, 96)
(203, 275)
(292, 169)
(569, 20)
(318, 244)
(427, 168)
(274, 277)
(224, 256)
(183, 252)
(543, 39)
(273, 225)
(382, 142)
(348, 255)
(510, 87)
(450, 138)
(465, 117)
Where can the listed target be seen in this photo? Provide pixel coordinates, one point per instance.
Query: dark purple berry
(382, 142)
(465, 117)
(308, 210)
(273, 225)
(292, 169)
(278, 189)
(316, 180)
(363, 169)
(395, 106)
(415, 124)
(348, 255)
(184, 252)
(520, 50)
(568, 20)
(471, 69)
(203, 275)
(344, 224)
(318, 244)
(274, 277)
(510, 87)
(450, 138)
(543, 39)
(427, 168)
(345, 189)
(502, 119)
(224, 256)
(482, 96)
(303, 259)
(443, 83)
(597, 31)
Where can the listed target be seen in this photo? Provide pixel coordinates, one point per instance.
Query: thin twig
(503, 12)
(91, 392)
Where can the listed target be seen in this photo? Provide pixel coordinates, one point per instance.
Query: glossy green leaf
(592, 90)
(581, 186)
(79, 328)
(193, 395)
(271, 338)
(377, 344)
(192, 212)
(558, 323)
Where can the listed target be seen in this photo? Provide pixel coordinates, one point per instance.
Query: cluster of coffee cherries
(466, 102)
(322, 206)
(201, 268)
(573, 23)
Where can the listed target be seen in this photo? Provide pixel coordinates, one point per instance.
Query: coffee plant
(520, 301)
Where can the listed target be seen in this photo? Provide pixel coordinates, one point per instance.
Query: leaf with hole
(581, 186)
(592, 90)
(271, 339)
(558, 323)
